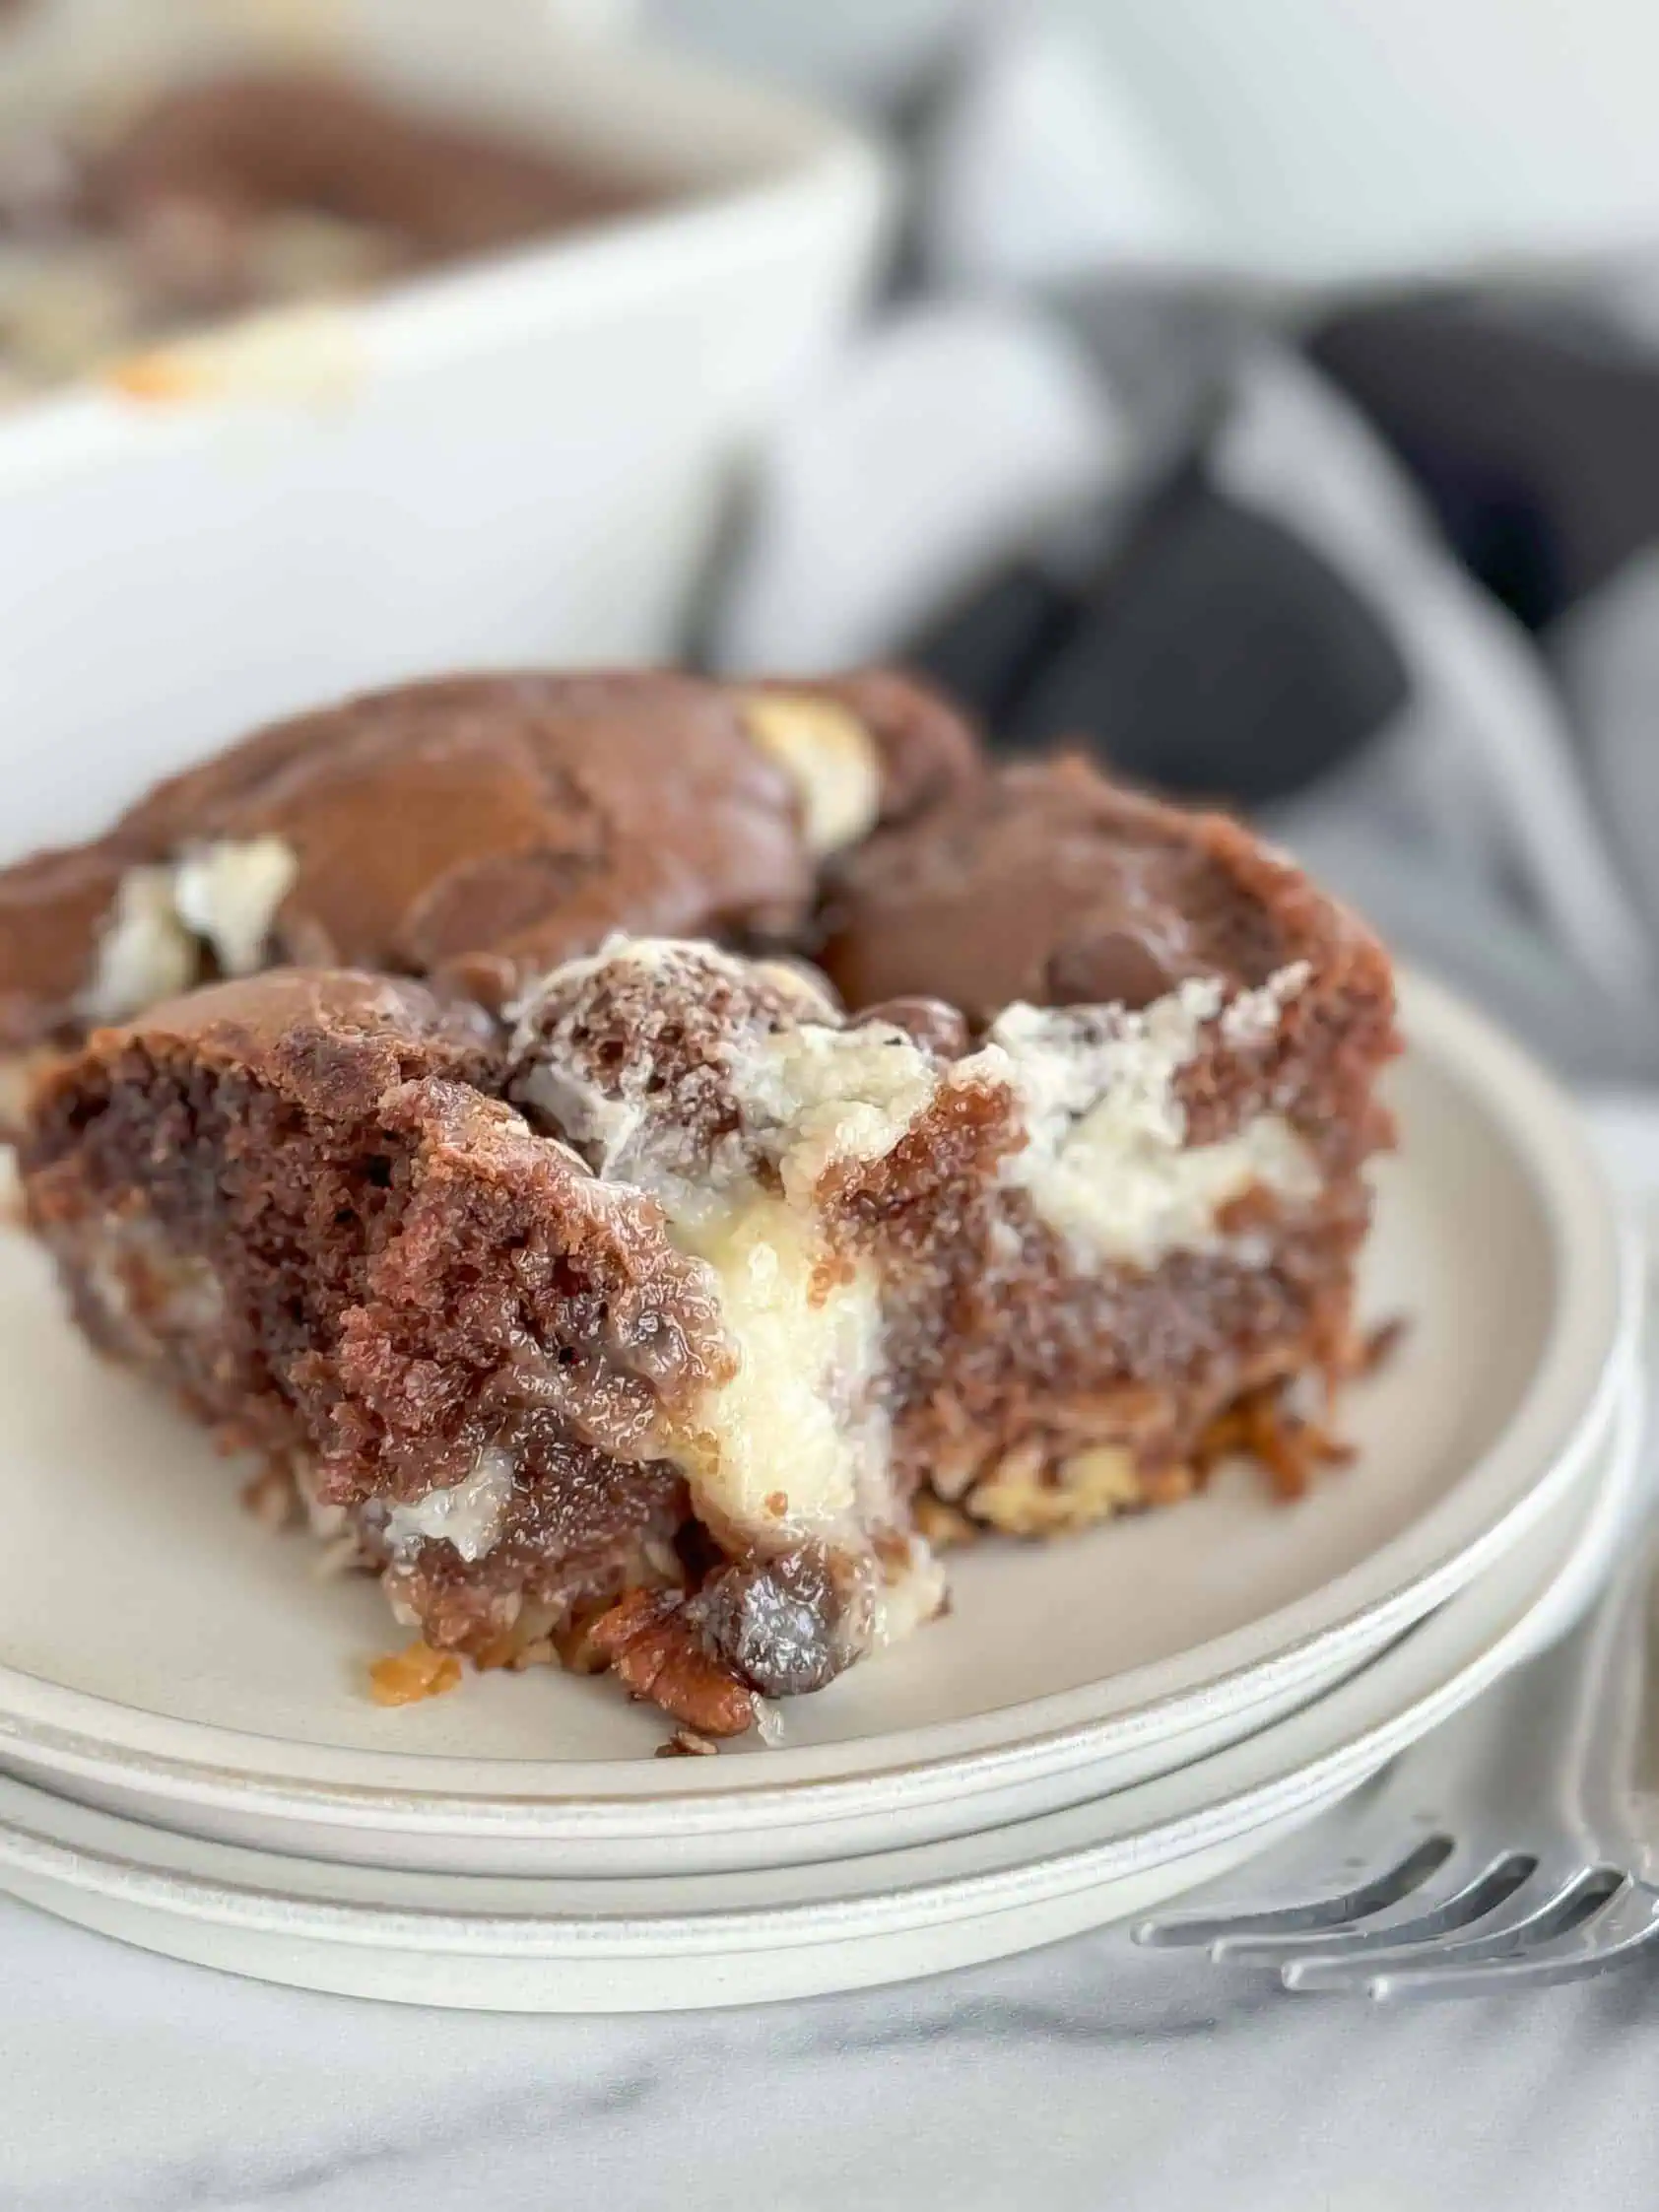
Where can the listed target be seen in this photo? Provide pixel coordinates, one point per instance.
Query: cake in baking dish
(669, 1324)
(135, 218)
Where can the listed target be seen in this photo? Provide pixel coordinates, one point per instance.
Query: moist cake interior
(655, 1372)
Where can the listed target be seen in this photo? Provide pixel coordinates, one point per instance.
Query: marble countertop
(1087, 2075)
(1084, 2075)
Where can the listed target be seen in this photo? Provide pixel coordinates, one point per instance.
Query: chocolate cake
(475, 830)
(513, 1383)
(1093, 1239)
(662, 1339)
(235, 193)
(1049, 884)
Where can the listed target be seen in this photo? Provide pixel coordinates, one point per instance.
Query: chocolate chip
(1113, 969)
(773, 1624)
(929, 1022)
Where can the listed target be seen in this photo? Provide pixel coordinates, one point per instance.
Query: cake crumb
(1261, 1426)
(1377, 1345)
(341, 1555)
(686, 1743)
(271, 1499)
(404, 1678)
(943, 1527)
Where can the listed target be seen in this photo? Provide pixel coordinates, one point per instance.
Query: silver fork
(1498, 1853)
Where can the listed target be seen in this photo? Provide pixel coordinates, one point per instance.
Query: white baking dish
(519, 460)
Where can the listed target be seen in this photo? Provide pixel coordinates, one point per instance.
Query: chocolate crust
(1046, 883)
(516, 818)
(476, 831)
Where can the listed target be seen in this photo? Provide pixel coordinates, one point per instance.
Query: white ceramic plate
(557, 1946)
(162, 1655)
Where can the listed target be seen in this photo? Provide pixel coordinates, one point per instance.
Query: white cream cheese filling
(795, 1444)
(470, 1514)
(224, 895)
(228, 894)
(144, 954)
(1107, 1162)
(829, 756)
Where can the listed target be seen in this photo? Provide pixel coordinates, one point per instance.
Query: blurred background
(1266, 396)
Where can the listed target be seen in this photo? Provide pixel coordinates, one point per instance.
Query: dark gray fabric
(1532, 425)
(1217, 653)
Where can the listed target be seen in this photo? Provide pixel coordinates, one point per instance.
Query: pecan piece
(655, 1652)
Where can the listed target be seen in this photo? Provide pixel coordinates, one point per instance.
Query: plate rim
(1417, 1670)
(1536, 1457)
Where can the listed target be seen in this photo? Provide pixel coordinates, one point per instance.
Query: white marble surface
(1087, 2075)
(1080, 2077)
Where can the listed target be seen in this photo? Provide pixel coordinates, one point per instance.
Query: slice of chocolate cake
(663, 1362)
(1195, 1033)
(535, 1403)
(476, 830)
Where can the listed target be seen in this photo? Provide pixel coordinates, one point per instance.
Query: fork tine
(1532, 1907)
(1379, 1887)
(1629, 1922)
(1459, 1895)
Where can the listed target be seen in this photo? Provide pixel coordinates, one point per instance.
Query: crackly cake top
(1049, 884)
(526, 815)
(339, 1039)
(476, 830)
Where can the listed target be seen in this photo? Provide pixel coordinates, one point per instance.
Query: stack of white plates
(1099, 1725)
